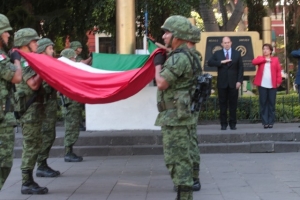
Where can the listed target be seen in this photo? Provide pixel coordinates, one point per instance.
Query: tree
(229, 23)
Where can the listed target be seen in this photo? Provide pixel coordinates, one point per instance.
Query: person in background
(10, 73)
(267, 79)
(45, 46)
(296, 54)
(72, 112)
(230, 78)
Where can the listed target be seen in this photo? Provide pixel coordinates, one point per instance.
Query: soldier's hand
(151, 39)
(15, 55)
(159, 59)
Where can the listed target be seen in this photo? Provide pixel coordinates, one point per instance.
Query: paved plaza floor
(272, 176)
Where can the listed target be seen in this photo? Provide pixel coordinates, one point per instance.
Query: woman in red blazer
(268, 78)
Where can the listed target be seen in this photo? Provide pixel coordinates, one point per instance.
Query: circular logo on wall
(216, 48)
(242, 49)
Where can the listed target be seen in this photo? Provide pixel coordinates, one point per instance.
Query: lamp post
(287, 86)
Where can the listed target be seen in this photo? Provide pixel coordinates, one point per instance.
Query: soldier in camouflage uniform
(195, 38)
(29, 105)
(77, 47)
(9, 74)
(45, 46)
(72, 114)
(175, 80)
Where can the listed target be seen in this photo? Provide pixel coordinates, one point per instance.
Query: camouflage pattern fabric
(179, 91)
(4, 24)
(75, 45)
(68, 53)
(31, 118)
(43, 44)
(194, 139)
(7, 120)
(179, 26)
(177, 156)
(24, 36)
(49, 122)
(7, 138)
(72, 115)
(195, 34)
(178, 123)
(78, 58)
(32, 137)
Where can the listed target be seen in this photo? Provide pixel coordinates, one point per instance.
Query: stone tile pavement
(223, 177)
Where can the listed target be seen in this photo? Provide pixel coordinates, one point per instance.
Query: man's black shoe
(72, 157)
(233, 127)
(31, 187)
(223, 127)
(46, 171)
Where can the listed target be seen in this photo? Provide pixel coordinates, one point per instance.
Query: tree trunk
(235, 17)
(208, 16)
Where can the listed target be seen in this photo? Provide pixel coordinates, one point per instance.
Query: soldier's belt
(162, 106)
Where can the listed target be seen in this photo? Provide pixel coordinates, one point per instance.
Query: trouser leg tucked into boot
(70, 156)
(44, 170)
(29, 186)
(184, 193)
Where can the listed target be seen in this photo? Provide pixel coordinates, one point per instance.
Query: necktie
(227, 55)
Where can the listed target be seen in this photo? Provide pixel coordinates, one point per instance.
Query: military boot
(184, 193)
(196, 185)
(70, 156)
(29, 186)
(44, 170)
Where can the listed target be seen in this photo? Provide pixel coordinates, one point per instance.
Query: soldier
(29, 105)
(45, 46)
(72, 113)
(175, 80)
(9, 74)
(195, 38)
(77, 47)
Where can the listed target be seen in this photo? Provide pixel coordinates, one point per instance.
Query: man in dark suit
(230, 77)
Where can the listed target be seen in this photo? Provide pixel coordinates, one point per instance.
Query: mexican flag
(111, 78)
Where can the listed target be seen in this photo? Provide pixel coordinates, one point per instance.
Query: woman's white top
(266, 80)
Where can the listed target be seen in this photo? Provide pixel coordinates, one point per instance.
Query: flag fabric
(86, 84)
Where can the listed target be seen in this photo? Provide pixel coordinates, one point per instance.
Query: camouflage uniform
(29, 105)
(175, 117)
(72, 114)
(49, 122)
(7, 119)
(75, 45)
(195, 38)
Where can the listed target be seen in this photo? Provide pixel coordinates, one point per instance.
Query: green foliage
(256, 12)
(287, 109)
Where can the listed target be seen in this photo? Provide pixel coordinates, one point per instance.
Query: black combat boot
(29, 186)
(70, 156)
(197, 184)
(44, 170)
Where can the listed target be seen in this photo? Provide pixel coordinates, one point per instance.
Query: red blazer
(275, 70)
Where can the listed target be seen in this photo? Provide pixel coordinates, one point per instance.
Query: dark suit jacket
(230, 73)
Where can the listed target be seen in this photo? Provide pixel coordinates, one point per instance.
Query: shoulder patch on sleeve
(24, 64)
